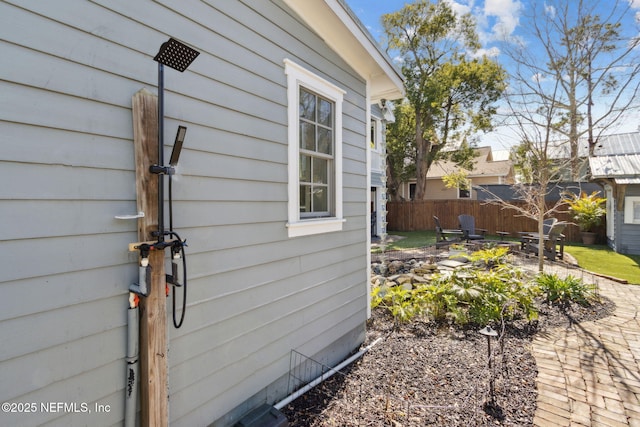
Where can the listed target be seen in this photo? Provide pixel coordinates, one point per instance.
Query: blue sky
(493, 17)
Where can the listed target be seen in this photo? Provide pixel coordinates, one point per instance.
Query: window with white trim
(315, 152)
(376, 127)
(465, 192)
(632, 210)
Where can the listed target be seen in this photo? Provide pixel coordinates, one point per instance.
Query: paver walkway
(589, 374)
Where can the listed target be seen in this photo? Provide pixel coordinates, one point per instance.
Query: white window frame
(298, 76)
(469, 190)
(629, 204)
(376, 135)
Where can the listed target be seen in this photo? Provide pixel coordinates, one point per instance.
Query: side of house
(616, 165)
(619, 173)
(623, 229)
(270, 195)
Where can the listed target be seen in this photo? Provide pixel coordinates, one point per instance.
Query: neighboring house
(617, 166)
(486, 171)
(277, 255)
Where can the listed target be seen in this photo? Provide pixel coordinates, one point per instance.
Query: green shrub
(468, 297)
(564, 291)
(506, 295)
(397, 300)
(491, 257)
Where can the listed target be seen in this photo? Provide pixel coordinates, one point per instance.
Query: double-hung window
(315, 152)
(315, 122)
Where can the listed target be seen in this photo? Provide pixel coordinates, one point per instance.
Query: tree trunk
(541, 210)
(392, 184)
(422, 149)
(573, 137)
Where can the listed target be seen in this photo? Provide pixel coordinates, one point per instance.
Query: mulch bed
(437, 374)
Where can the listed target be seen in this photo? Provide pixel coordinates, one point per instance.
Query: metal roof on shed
(607, 145)
(626, 166)
(623, 143)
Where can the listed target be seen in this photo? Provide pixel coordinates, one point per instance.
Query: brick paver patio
(589, 374)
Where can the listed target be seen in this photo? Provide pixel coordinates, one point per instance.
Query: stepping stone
(451, 263)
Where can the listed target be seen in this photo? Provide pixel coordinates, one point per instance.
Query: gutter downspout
(324, 376)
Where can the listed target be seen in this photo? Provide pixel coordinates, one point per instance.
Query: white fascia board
(341, 30)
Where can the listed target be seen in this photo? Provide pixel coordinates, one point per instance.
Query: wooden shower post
(153, 310)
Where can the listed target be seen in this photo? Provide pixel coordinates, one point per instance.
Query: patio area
(588, 371)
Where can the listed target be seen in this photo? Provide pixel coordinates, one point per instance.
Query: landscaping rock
(405, 278)
(426, 269)
(410, 273)
(395, 267)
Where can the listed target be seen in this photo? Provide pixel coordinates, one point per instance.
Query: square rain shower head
(176, 55)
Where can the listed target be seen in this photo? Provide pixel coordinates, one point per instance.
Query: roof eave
(344, 33)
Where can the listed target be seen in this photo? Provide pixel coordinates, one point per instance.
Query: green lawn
(596, 258)
(601, 259)
(412, 239)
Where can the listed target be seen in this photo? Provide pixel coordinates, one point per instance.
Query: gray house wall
(66, 155)
(627, 236)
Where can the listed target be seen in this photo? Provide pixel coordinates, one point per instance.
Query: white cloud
(492, 52)
(497, 19)
(398, 59)
(506, 13)
(550, 10)
(540, 78)
(459, 8)
(634, 4)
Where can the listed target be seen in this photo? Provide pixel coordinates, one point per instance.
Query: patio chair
(547, 224)
(553, 242)
(442, 234)
(468, 227)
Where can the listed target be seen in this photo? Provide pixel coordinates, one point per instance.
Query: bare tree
(590, 50)
(534, 111)
(572, 54)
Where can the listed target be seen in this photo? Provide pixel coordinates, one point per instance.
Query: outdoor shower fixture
(178, 56)
(175, 155)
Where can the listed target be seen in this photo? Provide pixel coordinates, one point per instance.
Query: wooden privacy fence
(418, 215)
